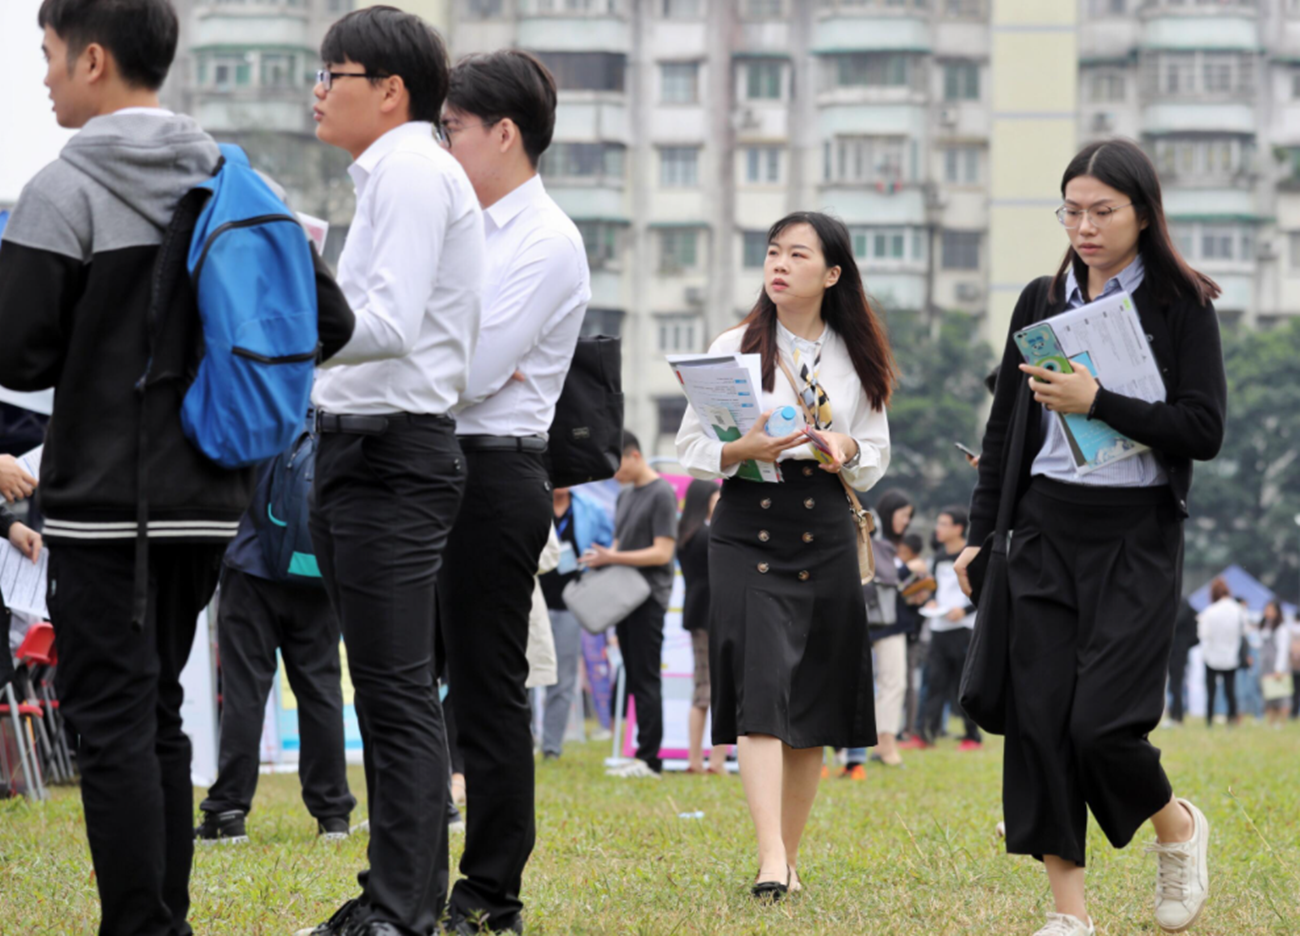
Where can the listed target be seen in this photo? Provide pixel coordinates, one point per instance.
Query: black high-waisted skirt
(789, 654)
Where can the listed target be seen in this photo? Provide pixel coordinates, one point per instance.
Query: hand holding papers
(1106, 338)
(724, 389)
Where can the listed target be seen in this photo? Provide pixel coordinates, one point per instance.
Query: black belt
(376, 425)
(487, 443)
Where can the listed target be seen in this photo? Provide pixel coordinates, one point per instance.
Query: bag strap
(870, 524)
(1011, 470)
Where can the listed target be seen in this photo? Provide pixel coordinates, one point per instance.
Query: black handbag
(985, 677)
(586, 437)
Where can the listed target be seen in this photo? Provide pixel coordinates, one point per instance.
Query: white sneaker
(634, 770)
(1182, 876)
(457, 827)
(601, 734)
(1062, 924)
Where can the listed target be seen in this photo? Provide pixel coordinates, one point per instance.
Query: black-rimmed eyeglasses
(326, 78)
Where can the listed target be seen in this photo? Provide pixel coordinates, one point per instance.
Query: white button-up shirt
(412, 270)
(851, 412)
(534, 300)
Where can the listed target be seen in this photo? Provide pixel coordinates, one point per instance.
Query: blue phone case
(1039, 347)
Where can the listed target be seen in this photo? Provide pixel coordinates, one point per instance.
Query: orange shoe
(856, 772)
(826, 772)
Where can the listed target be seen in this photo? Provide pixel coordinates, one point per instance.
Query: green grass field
(910, 851)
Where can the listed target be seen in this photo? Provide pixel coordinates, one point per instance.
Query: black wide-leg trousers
(1095, 582)
(382, 508)
(485, 595)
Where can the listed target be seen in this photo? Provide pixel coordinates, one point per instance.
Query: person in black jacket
(1095, 562)
(84, 269)
(1184, 639)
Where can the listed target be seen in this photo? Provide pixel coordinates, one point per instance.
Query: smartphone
(965, 451)
(1039, 347)
(821, 448)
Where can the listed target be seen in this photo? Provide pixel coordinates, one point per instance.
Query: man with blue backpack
(272, 599)
(171, 377)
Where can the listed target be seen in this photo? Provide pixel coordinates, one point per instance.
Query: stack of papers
(1106, 337)
(21, 581)
(725, 390)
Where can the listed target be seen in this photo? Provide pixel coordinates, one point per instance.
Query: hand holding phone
(965, 451)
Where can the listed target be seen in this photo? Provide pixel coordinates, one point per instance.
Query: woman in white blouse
(789, 655)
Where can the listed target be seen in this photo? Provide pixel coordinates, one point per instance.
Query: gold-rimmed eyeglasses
(1071, 218)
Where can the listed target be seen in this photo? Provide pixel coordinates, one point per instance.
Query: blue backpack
(253, 275)
(281, 516)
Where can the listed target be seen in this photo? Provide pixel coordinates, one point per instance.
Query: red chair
(24, 717)
(39, 653)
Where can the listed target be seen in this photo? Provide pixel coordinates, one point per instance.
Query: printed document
(725, 392)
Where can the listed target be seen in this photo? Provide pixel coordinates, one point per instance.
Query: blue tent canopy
(1242, 585)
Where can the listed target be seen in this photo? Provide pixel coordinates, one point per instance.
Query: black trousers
(120, 692)
(1095, 582)
(1178, 683)
(256, 617)
(1212, 677)
(943, 680)
(484, 599)
(641, 641)
(383, 506)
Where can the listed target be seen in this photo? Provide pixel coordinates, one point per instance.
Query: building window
(968, 9)
(755, 249)
(601, 240)
(763, 81)
(888, 246)
(1182, 74)
(1106, 87)
(680, 9)
(1203, 159)
(762, 9)
(856, 160)
(678, 250)
(762, 165)
(679, 166)
(671, 410)
(225, 72)
(1215, 243)
(961, 165)
(583, 161)
(1295, 84)
(961, 81)
(339, 6)
(1108, 7)
(680, 82)
(602, 322)
(278, 71)
(1293, 244)
(484, 9)
(586, 71)
(961, 250)
(872, 70)
(678, 334)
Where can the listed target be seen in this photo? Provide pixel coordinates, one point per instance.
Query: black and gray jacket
(79, 272)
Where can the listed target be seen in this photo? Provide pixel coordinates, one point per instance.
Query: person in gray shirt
(645, 537)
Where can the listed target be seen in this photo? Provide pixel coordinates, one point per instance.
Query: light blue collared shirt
(1054, 459)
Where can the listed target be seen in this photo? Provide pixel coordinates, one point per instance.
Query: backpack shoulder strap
(234, 155)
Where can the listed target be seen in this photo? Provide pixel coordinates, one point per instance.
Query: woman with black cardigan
(1095, 562)
(693, 557)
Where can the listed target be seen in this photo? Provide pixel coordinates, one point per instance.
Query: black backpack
(586, 438)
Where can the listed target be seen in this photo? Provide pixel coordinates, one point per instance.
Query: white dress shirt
(851, 412)
(412, 271)
(534, 300)
(1220, 628)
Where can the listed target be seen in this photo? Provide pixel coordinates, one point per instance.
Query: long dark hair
(889, 504)
(1276, 621)
(695, 509)
(1123, 165)
(846, 310)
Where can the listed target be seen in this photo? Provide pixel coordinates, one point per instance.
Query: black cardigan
(1185, 340)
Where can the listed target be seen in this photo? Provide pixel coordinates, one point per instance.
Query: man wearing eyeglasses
(390, 474)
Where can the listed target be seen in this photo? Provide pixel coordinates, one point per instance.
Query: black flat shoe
(772, 891)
